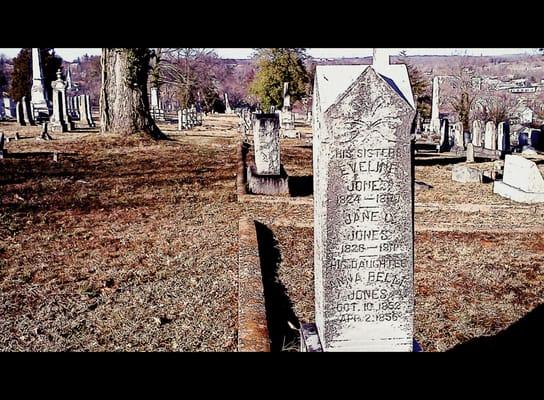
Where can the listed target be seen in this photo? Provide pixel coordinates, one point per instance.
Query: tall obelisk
(38, 92)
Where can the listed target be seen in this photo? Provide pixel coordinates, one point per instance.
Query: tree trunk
(124, 106)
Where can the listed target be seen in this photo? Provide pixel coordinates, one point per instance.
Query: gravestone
(266, 139)
(38, 92)
(523, 138)
(458, 138)
(19, 113)
(490, 138)
(466, 174)
(85, 116)
(2, 151)
(8, 107)
(184, 120)
(477, 130)
(522, 181)
(435, 114)
(267, 176)
(444, 135)
(286, 97)
(503, 137)
(60, 120)
(157, 111)
(536, 139)
(470, 152)
(89, 111)
(27, 113)
(363, 207)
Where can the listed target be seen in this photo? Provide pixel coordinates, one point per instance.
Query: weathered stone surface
(270, 185)
(38, 94)
(522, 181)
(27, 114)
(435, 115)
(458, 137)
(477, 130)
(363, 199)
(465, 174)
(470, 152)
(515, 194)
(19, 113)
(490, 139)
(266, 139)
(523, 174)
(253, 332)
(60, 120)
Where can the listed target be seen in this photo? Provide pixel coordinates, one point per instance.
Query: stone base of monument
(515, 194)
(58, 127)
(270, 185)
(310, 342)
(253, 334)
(458, 150)
(482, 152)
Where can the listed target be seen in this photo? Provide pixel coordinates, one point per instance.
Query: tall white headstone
(38, 95)
(477, 130)
(490, 138)
(363, 199)
(435, 110)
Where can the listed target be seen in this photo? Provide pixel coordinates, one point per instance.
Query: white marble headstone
(363, 221)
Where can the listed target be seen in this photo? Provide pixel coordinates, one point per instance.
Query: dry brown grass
(131, 244)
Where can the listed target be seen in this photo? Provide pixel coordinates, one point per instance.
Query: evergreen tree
(21, 80)
(274, 67)
(3, 75)
(419, 86)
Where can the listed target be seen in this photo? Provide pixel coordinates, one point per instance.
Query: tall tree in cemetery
(4, 83)
(276, 66)
(420, 86)
(124, 104)
(194, 73)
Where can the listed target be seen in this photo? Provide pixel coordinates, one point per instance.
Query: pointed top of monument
(380, 58)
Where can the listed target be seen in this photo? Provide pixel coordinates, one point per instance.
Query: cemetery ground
(131, 244)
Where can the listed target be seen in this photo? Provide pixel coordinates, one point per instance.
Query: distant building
(522, 115)
(529, 89)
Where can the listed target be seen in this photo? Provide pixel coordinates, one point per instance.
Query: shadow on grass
(301, 186)
(526, 334)
(279, 308)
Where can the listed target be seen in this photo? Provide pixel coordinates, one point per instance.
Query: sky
(72, 53)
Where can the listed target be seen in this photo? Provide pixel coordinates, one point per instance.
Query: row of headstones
(79, 109)
(188, 118)
(488, 136)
